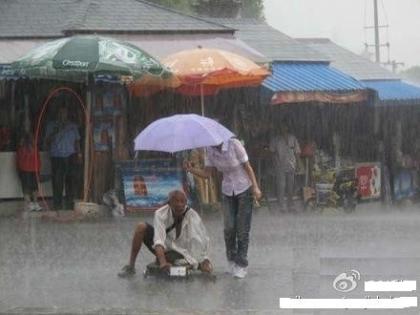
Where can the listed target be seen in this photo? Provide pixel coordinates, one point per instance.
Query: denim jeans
(237, 225)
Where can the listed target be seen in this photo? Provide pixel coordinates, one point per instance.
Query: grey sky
(343, 21)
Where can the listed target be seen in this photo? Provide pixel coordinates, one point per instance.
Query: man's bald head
(176, 193)
(177, 202)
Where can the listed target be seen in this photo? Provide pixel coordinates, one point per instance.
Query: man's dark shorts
(171, 255)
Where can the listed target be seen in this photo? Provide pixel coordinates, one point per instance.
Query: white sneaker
(29, 206)
(230, 268)
(36, 206)
(240, 272)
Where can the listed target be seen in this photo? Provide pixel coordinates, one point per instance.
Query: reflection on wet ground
(71, 268)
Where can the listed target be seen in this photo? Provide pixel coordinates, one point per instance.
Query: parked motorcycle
(345, 187)
(333, 190)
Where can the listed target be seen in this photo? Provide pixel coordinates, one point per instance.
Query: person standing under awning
(286, 151)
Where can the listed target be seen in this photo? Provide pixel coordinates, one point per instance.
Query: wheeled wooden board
(176, 272)
(181, 271)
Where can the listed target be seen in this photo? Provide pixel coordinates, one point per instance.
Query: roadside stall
(397, 112)
(402, 151)
(97, 68)
(329, 113)
(20, 105)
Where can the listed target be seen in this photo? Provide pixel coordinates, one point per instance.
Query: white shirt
(193, 242)
(285, 149)
(229, 162)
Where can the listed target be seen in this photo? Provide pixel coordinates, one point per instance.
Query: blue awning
(395, 92)
(308, 77)
(305, 82)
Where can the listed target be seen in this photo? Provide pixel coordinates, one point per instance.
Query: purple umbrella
(181, 132)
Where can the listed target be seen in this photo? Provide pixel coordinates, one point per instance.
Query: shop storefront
(329, 114)
(21, 102)
(397, 112)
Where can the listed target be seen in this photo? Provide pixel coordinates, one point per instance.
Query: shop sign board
(369, 180)
(147, 183)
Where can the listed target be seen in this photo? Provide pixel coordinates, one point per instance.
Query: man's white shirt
(193, 242)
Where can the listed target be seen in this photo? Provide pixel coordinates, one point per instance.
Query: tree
(217, 8)
(253, 9)
(412, 74)
(230, 8)
(180, 5)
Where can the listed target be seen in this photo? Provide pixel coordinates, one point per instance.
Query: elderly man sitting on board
(177, 235)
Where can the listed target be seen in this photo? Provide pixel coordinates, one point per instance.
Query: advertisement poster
(146, 184)
(405, 184)
(107, 112)
(103, 134)
(369, 180)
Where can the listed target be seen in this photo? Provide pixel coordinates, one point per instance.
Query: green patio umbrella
(81, 59)
(74, 58)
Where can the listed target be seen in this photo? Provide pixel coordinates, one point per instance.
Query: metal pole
(377, 43)
(87, 140)
(202, 99)
(13, 105)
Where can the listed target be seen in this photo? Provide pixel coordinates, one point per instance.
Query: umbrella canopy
(148, 85)
(73, 58)
(181, 132)
(80, 58)
(203, 71)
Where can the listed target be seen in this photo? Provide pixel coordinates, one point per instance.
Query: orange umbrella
(150, 84)
(203, 71)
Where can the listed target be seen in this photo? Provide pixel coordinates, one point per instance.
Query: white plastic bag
(110, 199)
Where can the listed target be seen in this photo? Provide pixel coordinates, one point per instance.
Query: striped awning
(312, 82)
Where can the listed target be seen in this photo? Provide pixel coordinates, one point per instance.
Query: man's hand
(187, 165)
(205, 266)
(165, 266)
(256, 192)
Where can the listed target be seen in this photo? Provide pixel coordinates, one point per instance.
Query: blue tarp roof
(307, 77)
(395, 92)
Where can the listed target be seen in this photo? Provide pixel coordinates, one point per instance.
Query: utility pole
(375, 27)
(394, 64)
(377, 43)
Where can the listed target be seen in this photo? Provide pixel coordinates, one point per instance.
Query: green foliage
(216, 8)
(412, 74)
(180, 5)
(253, 9)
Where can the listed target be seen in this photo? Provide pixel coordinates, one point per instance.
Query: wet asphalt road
(71, 268)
